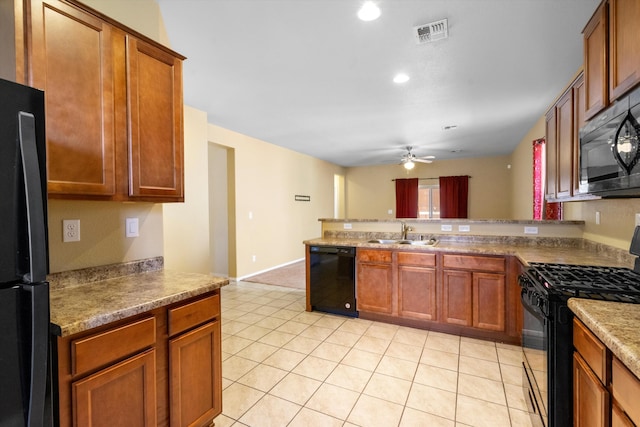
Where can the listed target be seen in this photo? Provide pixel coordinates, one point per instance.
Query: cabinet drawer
(591, 349)
(193, 314)
(373, 255)
(469, 262)
(107, 347)
(414, 258)
(625, 388)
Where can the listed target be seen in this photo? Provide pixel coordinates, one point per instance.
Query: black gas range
(547, 335)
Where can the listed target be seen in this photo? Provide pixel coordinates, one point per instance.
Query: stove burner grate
(588, 281)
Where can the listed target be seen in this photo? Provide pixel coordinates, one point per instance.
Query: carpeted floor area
(289, 276)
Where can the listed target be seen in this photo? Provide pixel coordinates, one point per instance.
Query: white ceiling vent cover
(431, 32)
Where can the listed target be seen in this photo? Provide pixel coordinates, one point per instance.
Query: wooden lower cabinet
(374, 268)
(417, 292)
(195, 370)
(590, 397)
(121, 395)
(456, 297)
(417, 286)
(159, 368)
(604, 390)
(454, 293)
(472, 297)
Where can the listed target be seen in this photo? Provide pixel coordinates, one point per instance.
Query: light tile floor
(283, 366)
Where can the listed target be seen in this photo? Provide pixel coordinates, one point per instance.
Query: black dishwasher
(332, 279)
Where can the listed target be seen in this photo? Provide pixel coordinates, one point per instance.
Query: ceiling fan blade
(427, 157)
(422, 160)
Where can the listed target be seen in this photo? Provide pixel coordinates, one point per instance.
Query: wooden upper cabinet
(551, 155)
(114, 105)
(155, 121)
(71, 60)
(596, 37)
(579, 120)
(624, 46)
(565, 145)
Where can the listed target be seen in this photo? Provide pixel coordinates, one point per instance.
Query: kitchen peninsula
(467, 283)
(139, 328)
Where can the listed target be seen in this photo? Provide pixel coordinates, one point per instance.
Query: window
(428, 201)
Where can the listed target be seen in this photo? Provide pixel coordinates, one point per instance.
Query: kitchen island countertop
(84, 305)
(616, 325)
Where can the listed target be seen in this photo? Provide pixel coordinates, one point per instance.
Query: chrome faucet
(404, 230)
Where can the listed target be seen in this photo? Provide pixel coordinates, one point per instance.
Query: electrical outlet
(347, 226)
(531, 230)
(637, 219)
(446, 227)
(253, 258)
(70, 230)
(464, 228)
(598, 218)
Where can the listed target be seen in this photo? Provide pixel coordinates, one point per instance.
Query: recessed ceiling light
(401, 78)
(369, 11)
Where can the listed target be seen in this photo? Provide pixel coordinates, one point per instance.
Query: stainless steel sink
(430, 242)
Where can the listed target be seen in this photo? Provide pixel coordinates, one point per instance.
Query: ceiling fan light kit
(409, 159)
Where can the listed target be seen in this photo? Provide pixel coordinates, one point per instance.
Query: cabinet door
(578, 122)
(595, 37)
(489, 301)
(417, 292)
(154, 95)
(551, 155)
(196, 376)
(72, 62)
(624, 46)
(590, 398)
(377, 295)
(457, 297)
(564, 140)
(121, 395)
(619, 418)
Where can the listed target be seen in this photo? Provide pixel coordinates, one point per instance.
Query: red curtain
(542, 209)
(454, 191)
(407, 198)
(538, 177)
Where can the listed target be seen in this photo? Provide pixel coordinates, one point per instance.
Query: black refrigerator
(25, 380)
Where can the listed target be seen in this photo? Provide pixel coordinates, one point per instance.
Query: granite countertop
(616, 325)
(90, 298)
(544, 250)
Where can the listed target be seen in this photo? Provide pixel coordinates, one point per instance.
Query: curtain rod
(437, 177)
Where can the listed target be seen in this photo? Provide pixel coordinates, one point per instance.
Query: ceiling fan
(409, 159)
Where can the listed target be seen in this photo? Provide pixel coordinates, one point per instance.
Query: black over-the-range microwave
(610, 150)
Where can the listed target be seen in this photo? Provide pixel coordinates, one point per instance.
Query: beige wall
(269, 223)
(522, 173)
(370, 191)
(102, 233)
(186, 225)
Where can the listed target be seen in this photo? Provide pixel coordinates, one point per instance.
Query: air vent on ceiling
(431, 32)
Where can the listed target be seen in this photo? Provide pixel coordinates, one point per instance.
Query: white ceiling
(310, 76)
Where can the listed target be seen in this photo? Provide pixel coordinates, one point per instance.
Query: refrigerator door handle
(39, 353)
(34, 202)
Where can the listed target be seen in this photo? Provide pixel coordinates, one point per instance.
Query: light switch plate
(464, 228)
(531, 230)
(347, 226)
(131, 227)
(446, 227)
